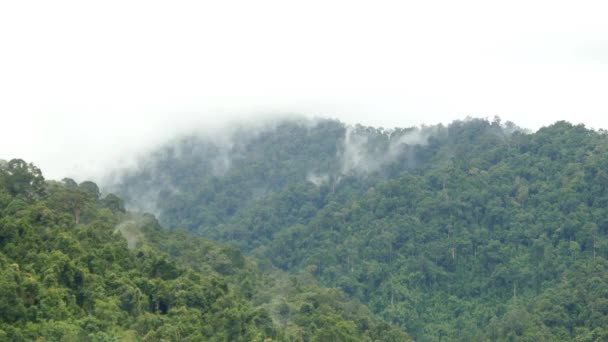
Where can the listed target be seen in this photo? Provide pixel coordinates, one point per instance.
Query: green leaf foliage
(474, 231)
(75, 266)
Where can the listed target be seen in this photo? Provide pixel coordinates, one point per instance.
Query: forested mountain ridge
(471, 231)
(75, 266)
(221, 174)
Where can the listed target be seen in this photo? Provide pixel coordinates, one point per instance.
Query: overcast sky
(83, 84)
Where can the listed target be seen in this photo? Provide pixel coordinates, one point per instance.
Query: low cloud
(367, 150)
(317, 179)
(131, 231)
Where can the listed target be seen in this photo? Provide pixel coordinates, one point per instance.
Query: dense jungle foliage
(76, 266)
(474, 231)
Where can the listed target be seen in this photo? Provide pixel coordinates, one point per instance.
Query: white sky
(83, 84)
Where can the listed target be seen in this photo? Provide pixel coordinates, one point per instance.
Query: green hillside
(75, 266)
(473, 231)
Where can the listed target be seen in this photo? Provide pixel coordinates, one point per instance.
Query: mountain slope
(474, 231)
(77, 267)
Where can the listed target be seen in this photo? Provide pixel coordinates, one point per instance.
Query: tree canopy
(472, 231)
(75, 266)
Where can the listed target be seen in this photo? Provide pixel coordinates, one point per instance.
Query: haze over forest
(84, 86)
(303, 171)
(315, 230)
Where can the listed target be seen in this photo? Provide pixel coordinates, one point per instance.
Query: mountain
(473, 231)
(76, 266)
